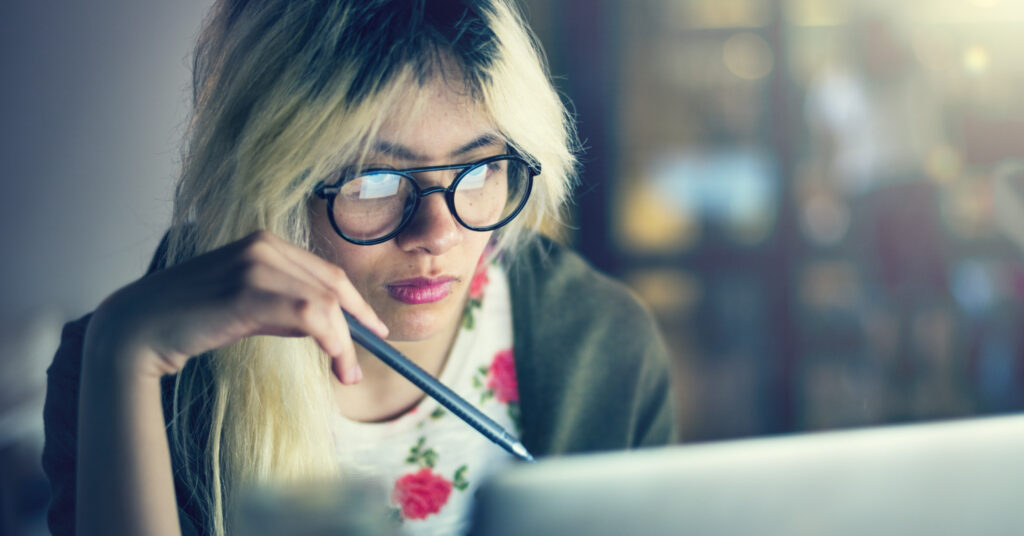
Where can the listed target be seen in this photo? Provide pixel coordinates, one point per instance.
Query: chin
(418, 323)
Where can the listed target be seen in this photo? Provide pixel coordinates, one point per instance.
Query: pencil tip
(521, 451)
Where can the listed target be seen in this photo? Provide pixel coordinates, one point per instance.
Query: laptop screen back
(957, 477)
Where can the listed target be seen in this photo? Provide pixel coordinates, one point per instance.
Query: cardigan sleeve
(60, 422)
(60, 425)
(594, 373)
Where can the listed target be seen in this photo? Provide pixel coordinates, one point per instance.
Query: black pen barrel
(434, 388)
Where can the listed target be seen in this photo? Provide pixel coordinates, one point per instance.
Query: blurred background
(822, 201)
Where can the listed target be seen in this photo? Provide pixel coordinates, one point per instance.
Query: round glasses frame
(330, 193)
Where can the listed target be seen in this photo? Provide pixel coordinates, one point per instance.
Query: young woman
(392, 159)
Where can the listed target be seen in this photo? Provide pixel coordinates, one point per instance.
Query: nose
(433, 229)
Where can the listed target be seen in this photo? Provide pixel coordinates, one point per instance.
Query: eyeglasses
(374, 205)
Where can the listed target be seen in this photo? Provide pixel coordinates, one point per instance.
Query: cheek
(358, 262)
(355, 260)
(321, 232)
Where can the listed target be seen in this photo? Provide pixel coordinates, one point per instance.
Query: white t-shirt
(430, 461)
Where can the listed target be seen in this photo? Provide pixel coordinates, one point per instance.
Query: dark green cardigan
(592, 370)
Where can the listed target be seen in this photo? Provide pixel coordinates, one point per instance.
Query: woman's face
(418, 281)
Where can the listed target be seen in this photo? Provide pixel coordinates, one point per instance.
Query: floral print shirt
(428, 460)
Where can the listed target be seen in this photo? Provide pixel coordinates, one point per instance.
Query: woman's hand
(260, 285)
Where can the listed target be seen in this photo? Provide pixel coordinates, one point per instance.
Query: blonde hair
(285, 93)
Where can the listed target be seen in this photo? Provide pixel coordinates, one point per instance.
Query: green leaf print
(415, 452)
(423, 457)
(459, 482)
(430, 458)
(467, 315)
(437, 413)
(486, 395)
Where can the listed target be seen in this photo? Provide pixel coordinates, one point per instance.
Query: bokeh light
(748, 56)
(976, 60)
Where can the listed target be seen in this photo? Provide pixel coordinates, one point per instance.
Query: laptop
(944, 478)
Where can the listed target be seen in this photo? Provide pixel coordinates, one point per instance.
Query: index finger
(333, 277)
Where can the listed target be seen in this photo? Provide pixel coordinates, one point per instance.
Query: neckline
(453, 368)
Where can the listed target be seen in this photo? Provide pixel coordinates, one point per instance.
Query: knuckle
(314, 310)
(258, 250)
(327, 299)
(328, 307)
(257, 243)
(304, 308)
(339, 349)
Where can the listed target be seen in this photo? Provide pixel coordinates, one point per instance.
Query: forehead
(435, 121)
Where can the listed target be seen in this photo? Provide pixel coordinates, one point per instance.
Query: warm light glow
(647, 223)
(976, 60)
(666, 291)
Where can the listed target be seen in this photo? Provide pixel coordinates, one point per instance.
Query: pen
(435, 389)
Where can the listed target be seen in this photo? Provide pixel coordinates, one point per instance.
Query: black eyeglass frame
(330, 193)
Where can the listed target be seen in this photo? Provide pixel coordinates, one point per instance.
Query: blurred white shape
(350, 505)
(734, 187)
(26, 349)
(974, 286)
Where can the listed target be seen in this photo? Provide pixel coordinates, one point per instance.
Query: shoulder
(556, 293)
(592, 367)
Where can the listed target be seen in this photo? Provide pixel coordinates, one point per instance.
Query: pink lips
(420, 289)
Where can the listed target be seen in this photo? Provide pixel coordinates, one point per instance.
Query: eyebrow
(402, 152)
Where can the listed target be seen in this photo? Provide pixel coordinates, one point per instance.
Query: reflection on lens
(372, 205)
(490, 192)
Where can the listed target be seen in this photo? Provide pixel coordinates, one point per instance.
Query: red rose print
(501, 377)
(421, 494)
(476, 287)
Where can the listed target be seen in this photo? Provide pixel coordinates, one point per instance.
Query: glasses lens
(490, 193)
(372, 205)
